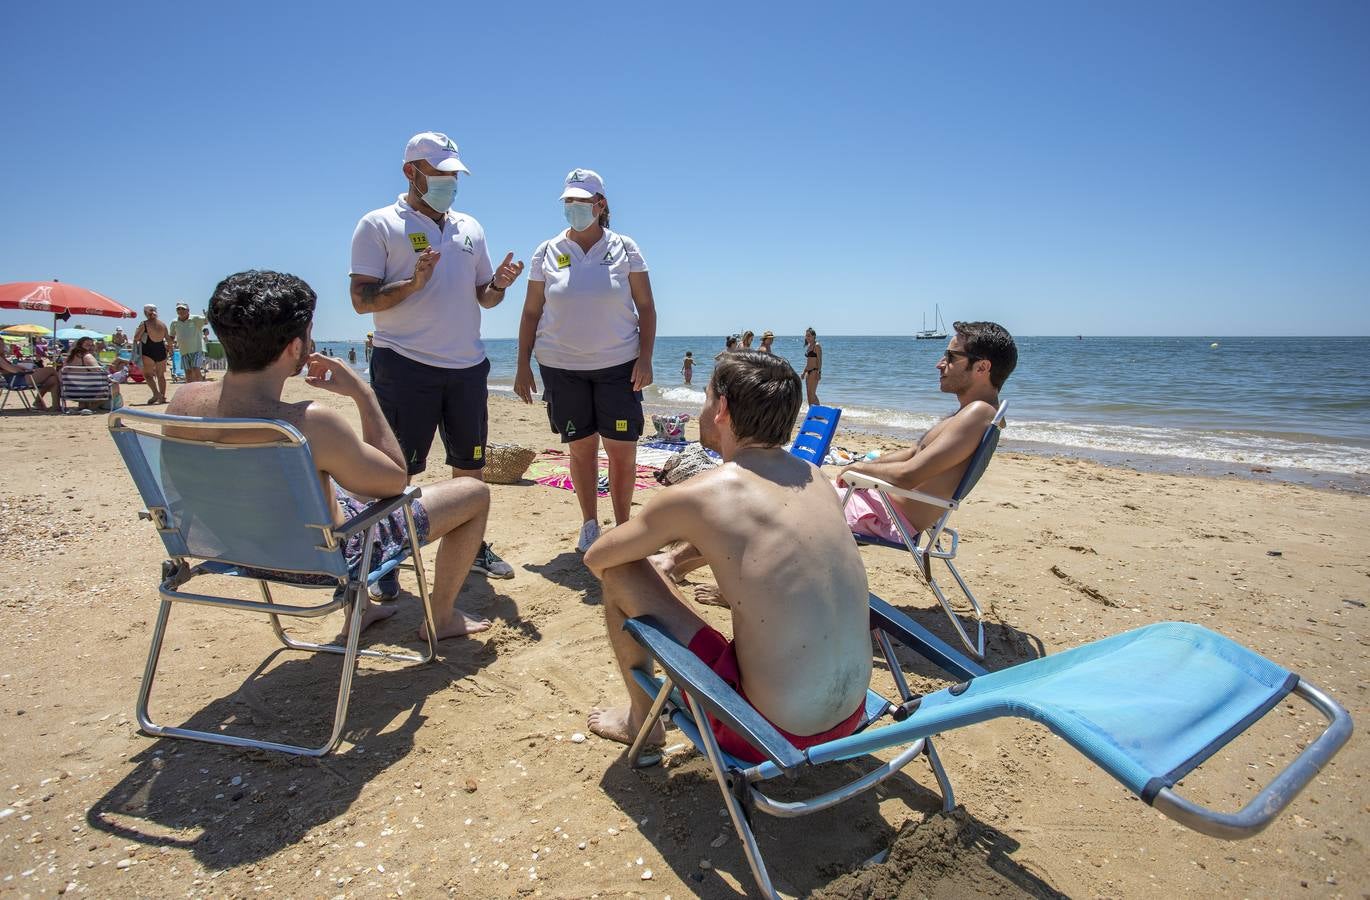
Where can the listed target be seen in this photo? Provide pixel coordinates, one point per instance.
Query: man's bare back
(770, 528)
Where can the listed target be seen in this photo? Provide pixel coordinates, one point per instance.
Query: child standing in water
(687, 368)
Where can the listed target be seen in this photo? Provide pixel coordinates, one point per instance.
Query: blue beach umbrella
(76, 333)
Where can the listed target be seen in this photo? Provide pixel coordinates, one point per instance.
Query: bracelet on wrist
(494, 287)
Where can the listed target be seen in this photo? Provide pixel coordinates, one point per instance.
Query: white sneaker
(589, 533)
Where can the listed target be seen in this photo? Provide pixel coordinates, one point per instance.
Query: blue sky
(1061, 167)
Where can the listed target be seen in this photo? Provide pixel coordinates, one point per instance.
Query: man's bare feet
(615, 723)
(371, 614)
(460, 625)
(709, 595)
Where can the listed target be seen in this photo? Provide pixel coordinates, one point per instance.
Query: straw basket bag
(506, 463)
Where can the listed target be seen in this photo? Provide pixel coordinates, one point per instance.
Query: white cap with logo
(437, 150)
(582, 184)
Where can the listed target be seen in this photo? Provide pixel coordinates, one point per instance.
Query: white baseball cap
(181, 304)
(437, 149)
(582, 184)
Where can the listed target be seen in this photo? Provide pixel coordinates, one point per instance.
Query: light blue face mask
(579, 216)
(442, 189)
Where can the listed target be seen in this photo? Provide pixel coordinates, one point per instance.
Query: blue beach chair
(20, 383)
(816, 434)
(256, 511)
(1147, 706)
(927, 546)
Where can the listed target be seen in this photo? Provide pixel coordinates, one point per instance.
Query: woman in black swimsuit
(151, 338)
(813, 365)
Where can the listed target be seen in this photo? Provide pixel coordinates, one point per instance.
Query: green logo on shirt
(467, 246)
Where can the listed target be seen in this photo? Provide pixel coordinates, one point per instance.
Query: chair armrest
(1274, 797)
(862, 480)
(375, 512)
(923, 642)
(713, 693)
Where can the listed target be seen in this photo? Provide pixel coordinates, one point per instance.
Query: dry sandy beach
(462, 777)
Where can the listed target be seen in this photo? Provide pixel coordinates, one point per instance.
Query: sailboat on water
(936, 333)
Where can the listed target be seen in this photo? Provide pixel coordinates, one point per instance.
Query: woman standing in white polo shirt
(590, 318)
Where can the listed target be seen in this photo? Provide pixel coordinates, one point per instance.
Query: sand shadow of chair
(230, 806)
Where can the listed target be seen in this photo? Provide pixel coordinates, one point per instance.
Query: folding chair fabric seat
(20, 383)
(255, 511)
(84, 384)
(1147, 706)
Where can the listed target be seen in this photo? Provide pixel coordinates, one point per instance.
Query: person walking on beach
(352, 355)
(687, 368)
(263, 320)
(590, 317)
(746, 340)
(787, 569)
(813, 365)
(421, 270)
(370, 337)
(151, 338)
(766, 340)
(187, 335)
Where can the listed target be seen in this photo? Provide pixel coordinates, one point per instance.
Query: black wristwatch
(492, 286)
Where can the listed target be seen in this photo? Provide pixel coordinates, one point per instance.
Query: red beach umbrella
(64, 300)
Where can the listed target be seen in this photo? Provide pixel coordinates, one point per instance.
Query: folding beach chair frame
(349, 593)
(703, 690)
(20, 383)
(931, 548)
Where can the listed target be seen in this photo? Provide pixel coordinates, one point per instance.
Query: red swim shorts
(720, 654)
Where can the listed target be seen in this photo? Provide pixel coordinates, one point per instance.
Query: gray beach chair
(927, 546)
(1147, 706)
(254, 511)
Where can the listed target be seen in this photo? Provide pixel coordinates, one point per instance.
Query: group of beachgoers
(813, 357)
(771, 526)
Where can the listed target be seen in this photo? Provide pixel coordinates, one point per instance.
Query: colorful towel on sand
(553, 469)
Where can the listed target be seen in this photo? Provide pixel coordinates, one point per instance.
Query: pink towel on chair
(866, 515)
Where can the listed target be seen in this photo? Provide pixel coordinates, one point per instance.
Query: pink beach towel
(552, 468)
(866, 515)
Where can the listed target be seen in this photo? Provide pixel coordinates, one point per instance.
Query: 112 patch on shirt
(419, 241)
(563, 260)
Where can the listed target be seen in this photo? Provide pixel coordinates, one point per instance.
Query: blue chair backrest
(816, 434)
(258, 505)
(979, 461)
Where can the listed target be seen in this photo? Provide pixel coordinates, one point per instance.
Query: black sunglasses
(950, 356)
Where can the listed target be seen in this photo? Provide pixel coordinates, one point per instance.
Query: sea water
(1293, 404)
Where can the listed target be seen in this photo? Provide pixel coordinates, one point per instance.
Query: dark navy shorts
(418, 399)
(595, 401)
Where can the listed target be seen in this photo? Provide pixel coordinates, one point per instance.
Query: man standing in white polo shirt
(422, 271)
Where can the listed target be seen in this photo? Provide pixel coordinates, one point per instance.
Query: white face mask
(579, 216)
(442, 190)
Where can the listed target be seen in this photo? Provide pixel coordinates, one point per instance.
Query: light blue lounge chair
(927, 546)
(815, 435)
(247, 511)
(1147, 706)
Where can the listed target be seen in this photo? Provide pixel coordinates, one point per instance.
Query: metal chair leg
(736, 811)
(943, 782)
(653, 715)
(977, 647)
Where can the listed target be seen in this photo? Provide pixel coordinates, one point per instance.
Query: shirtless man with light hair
(771, 527)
